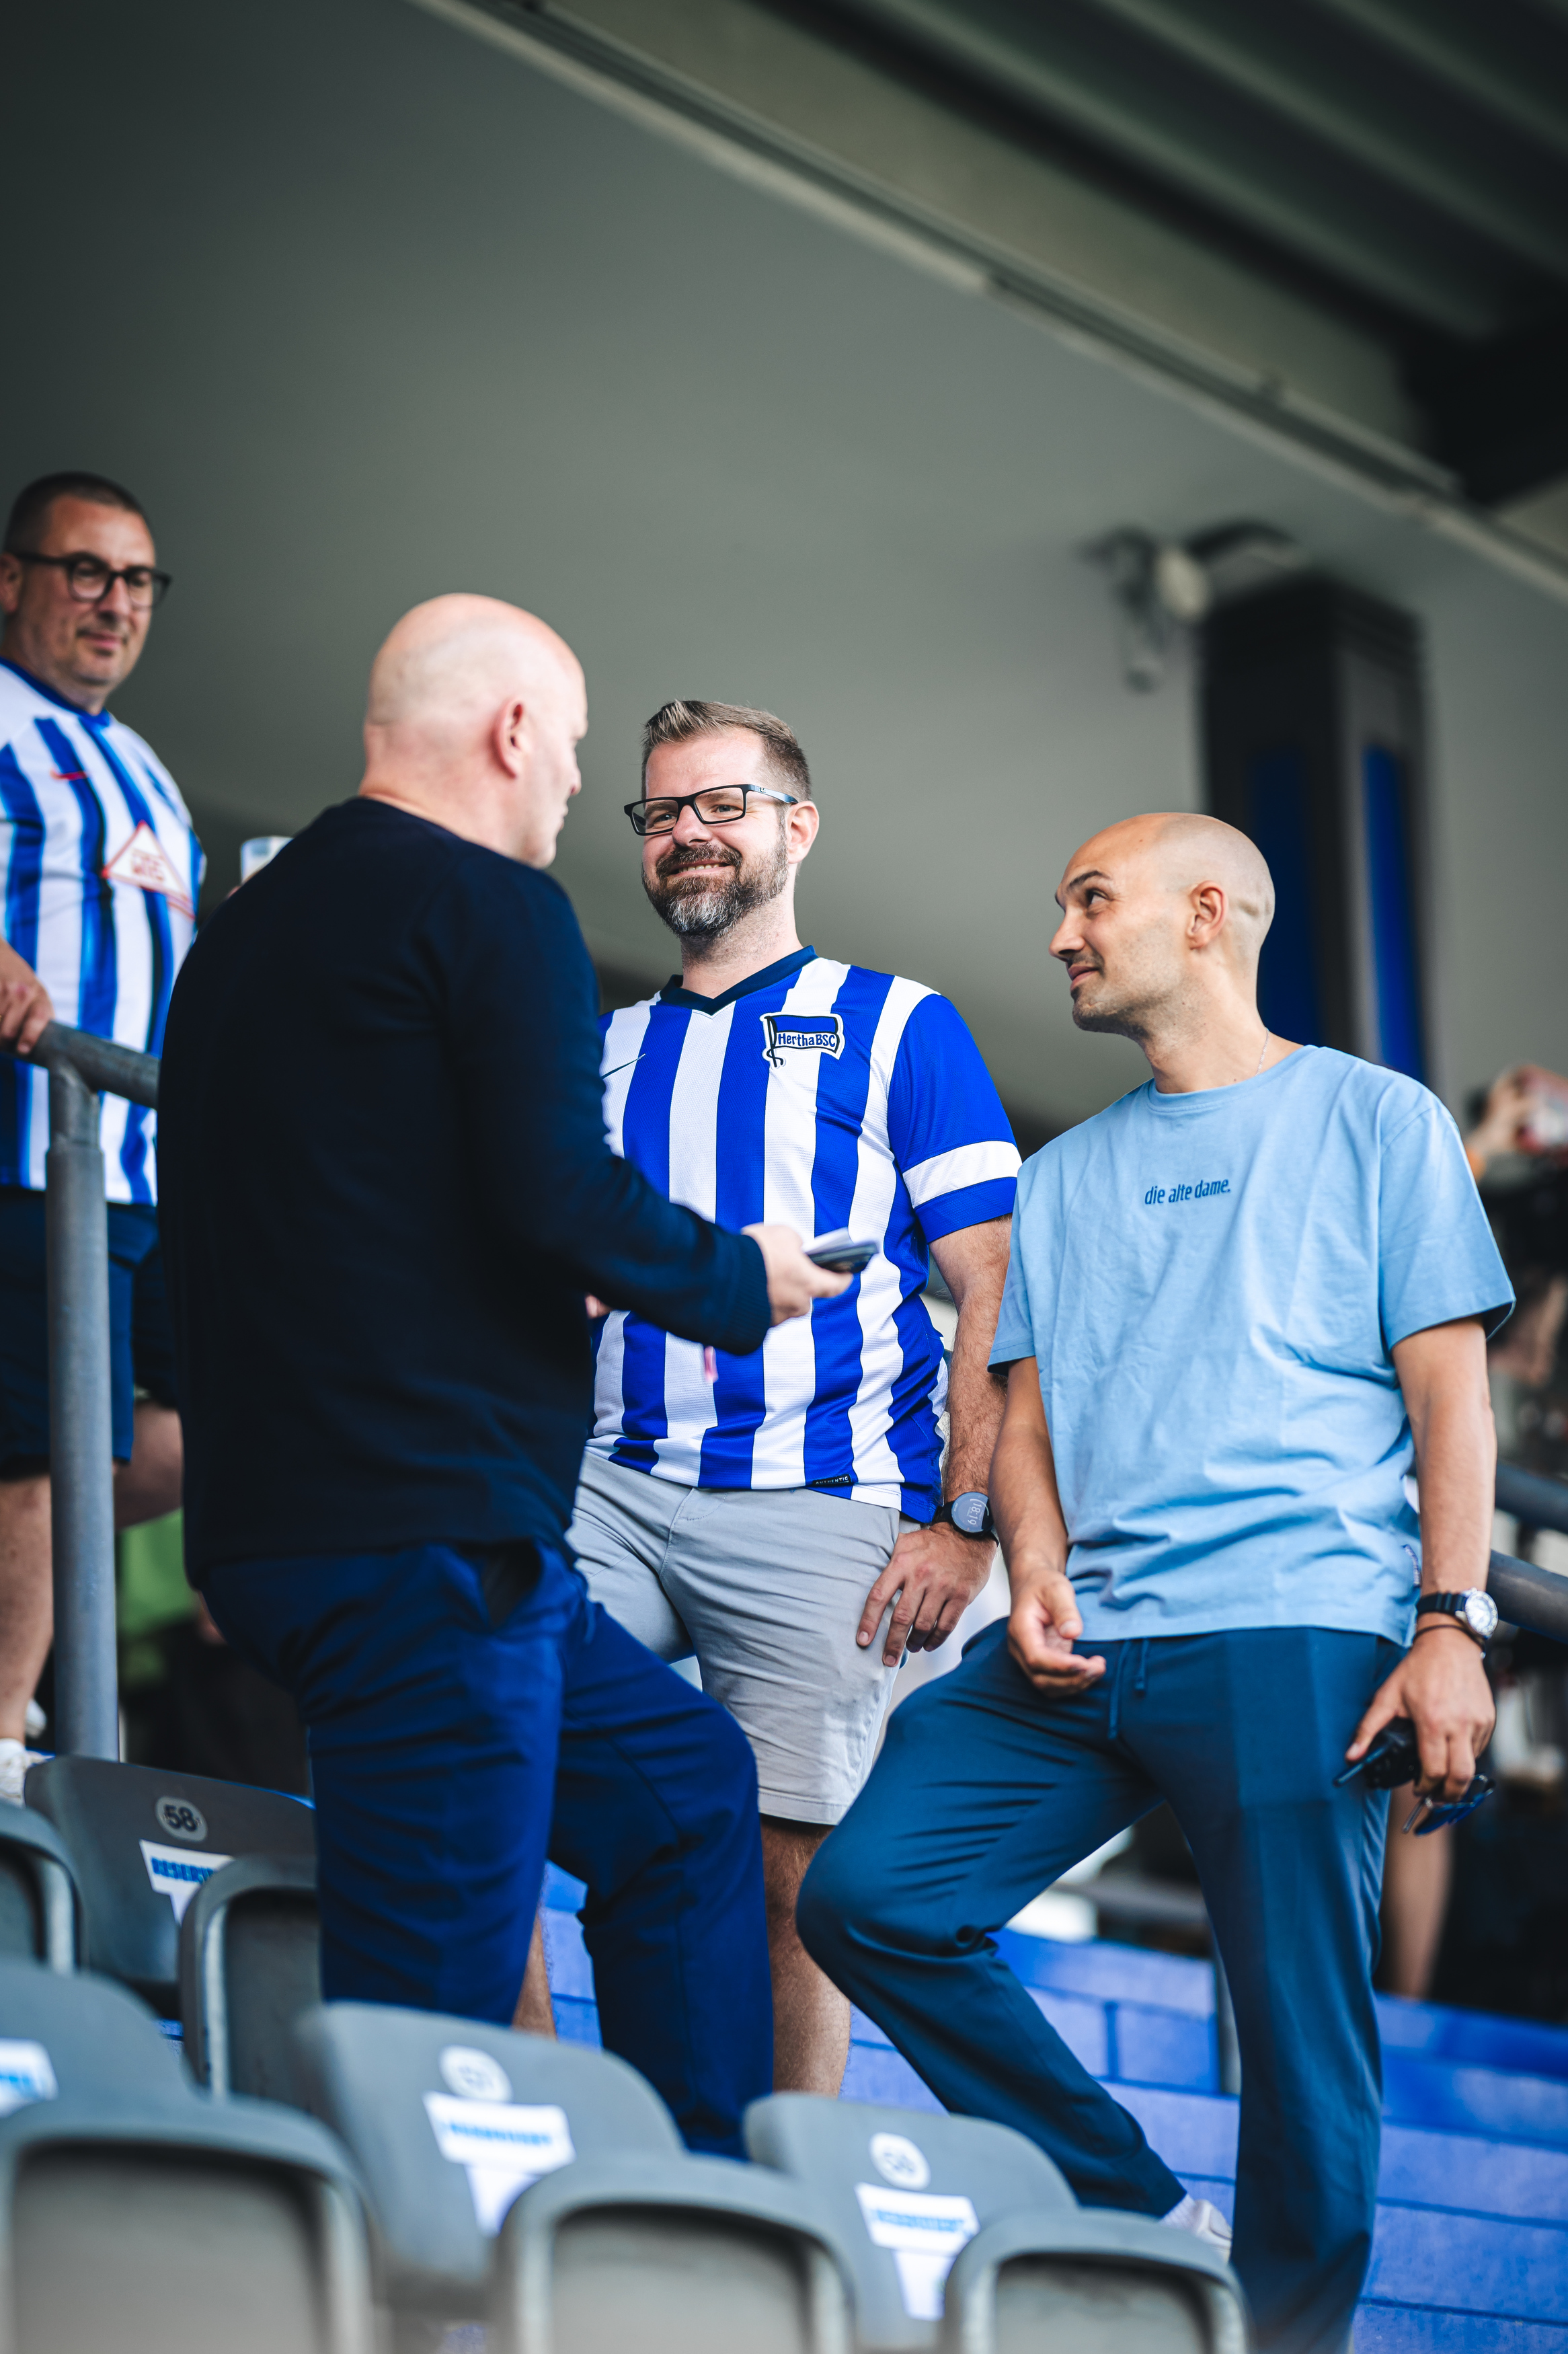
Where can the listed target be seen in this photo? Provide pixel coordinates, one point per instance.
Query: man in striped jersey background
(782, 1516)
(100, 870)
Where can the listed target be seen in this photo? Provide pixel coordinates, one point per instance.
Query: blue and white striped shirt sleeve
(950, 1135)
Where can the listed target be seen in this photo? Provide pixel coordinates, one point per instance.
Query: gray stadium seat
(671, 2256)
(96, 2040)
(446, 2120)
(1093, 2282)
(143, 1842)
(40, 1909)
(250, 1970)
(137, 2217)
(906, 2190)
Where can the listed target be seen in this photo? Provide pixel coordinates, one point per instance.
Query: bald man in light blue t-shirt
(1244, 1304)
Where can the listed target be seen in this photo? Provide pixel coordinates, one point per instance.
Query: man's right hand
(25, 1003)
(1041, 1630)
(793, 1282)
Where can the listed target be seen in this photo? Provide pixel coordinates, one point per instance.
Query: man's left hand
(940, 1571)
(1441, 1686)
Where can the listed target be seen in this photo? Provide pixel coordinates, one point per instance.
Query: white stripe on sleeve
(966, 1164)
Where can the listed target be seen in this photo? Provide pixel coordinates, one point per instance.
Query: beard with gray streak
(706, 907)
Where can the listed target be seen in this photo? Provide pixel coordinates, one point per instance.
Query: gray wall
(365, 311)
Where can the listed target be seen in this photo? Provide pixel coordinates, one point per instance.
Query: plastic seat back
(40, 1908)
(137, 2216)
(144, 1842)
(448, 2120)
(907, 2189)
(79, 2036)
(1094, 2280)
(669, 2255)
(250, 1970)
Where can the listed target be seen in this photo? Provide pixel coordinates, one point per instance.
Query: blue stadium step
(1472, 2038)
(1470, 2254)
(1400, 2329)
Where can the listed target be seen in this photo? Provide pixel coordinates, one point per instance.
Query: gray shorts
(766, 1586)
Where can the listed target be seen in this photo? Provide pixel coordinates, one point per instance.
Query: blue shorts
(141, 1346)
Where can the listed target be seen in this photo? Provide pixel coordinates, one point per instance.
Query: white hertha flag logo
(144, 862)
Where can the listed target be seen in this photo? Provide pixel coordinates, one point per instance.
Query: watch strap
(1450, 1605)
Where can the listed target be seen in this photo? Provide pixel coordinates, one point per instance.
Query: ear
(12, 576)
(509, 736)
(1208, 909)
(800, 825)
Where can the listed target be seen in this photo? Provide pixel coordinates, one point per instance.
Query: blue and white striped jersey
(101, 871)
(814, 1095)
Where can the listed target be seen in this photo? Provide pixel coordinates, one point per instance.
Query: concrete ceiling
(365, 311)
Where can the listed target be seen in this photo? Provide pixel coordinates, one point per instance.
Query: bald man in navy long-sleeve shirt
(385, 1192)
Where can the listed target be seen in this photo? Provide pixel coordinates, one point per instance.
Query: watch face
(1480, 1614)
(969, 1511)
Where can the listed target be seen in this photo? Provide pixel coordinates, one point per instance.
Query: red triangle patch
(144, 862)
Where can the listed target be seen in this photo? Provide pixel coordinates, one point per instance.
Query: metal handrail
(81, 1438)
(106, 1069)
(1539, 1503)
(1528, 1595)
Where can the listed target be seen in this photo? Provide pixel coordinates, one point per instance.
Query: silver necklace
(1257, 1072)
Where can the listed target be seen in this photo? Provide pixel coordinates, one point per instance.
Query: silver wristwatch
(1473, 1610)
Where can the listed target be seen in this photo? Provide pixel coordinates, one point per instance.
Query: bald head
(1187, 850)
(1163, 917)
(456, 657)
(473, 716)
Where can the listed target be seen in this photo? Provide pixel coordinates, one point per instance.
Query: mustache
(695, 853)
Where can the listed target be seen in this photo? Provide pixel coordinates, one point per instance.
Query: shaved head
(459, 656)
(472, 721)
(1163, 917)
(1190, 849)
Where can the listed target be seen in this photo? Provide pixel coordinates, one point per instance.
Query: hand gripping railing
(81, 1454)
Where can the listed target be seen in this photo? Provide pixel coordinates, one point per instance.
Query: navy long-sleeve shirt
(385, 1188)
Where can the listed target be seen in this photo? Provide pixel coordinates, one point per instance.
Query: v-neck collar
(673, 994)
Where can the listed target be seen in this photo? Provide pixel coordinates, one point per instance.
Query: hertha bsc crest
(801, 1033)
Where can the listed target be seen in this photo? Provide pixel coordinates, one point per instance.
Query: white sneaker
(14, 1761)
(1203, 2221)
(37, 1721)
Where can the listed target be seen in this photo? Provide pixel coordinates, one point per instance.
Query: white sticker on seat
(502, 2146)
(177, 1872)
(25, 2075)
(924, 2230)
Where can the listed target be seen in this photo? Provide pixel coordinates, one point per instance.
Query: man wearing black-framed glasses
(99, 869)
(788, 1518)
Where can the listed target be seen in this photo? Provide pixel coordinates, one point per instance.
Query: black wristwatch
(1473, 1610)
(969, 1515)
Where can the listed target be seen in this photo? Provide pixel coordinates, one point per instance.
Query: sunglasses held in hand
(1394, 1760)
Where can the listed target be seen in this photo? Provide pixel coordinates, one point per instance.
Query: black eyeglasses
(90, 580)
(720, 805)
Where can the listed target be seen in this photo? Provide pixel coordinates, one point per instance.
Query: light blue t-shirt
(1211, 1285)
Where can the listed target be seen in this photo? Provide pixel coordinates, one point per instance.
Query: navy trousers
(986, 1791)
(468, 1713)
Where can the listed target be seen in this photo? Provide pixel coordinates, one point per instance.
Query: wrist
(1468, 1609)
(1027, 1572)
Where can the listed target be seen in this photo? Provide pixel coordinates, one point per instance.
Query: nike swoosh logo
(622, 1066)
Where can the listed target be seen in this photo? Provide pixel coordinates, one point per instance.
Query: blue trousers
(986, 1791)
(466, 1717)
